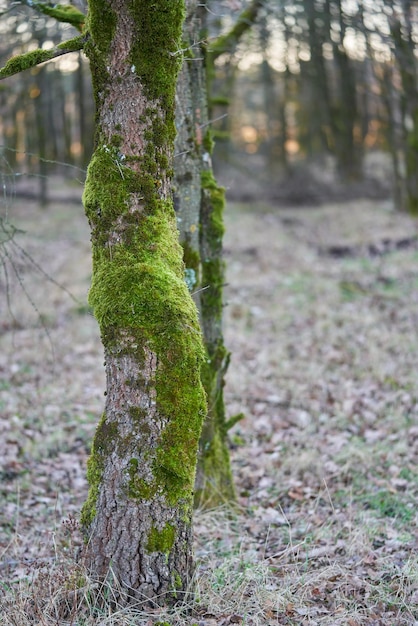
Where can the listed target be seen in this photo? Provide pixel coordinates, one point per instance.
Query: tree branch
(228, 41)
(22, 62)
(63, 13)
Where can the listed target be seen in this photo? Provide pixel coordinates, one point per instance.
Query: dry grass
(324, 367)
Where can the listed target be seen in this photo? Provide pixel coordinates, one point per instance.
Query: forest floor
(322, 323)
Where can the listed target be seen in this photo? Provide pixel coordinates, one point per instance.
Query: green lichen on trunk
(161, 540)
(156, 53)
(138, 285)
(105, 434)
(149, 325)
(101, 24)
(191, 259)
(215, 484)
(213, 265)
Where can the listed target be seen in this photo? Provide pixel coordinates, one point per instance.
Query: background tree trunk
(404, 49)
(199, 206)
(190, 101)
(141, 471)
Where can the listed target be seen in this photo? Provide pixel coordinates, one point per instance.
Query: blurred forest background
(319, 101)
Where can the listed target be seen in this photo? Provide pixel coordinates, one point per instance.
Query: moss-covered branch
(23, 62)
(233, 420)
(228, 41)
(62, 12)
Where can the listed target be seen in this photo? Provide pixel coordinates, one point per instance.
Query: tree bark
(137, 518)
(203, 258)
(199, 206)
(190, 101)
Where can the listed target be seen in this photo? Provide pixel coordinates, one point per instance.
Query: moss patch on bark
(161, 540)
(156, 54)
(213, 268)
(105, 434)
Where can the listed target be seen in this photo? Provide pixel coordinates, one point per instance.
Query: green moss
(138, 488)
(208, 142)
(133, 466)
(72, 45)
(138, 285)
(220, 101)
(23, 62)
(218, 486)
(101, 25)
(191, 258)
(63, 13)
(161, 540)
(116, 141)
(178, 583)
(138, 414)
(213, 267)
(94, 476)
(100, 28)
(216, 482)
(155, 53)
(106, 434)
(208, 180)
(217, 199)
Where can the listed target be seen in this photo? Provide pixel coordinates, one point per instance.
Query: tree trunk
(141, 471)
(320, 115)
(202, 248)
(214, 482)
(199, 205)
(405, 56)
(40, 106)
(190, 101)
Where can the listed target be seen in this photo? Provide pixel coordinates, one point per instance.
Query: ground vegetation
(324, 463)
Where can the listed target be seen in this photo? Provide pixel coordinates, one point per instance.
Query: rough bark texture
(193, 146)
(199, 206)
(214, 483)
(141, 471)
(190, 99)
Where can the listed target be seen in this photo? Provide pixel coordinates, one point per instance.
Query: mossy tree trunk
(199, 207)
(203, 248)
(214, 482)
(141, 470)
